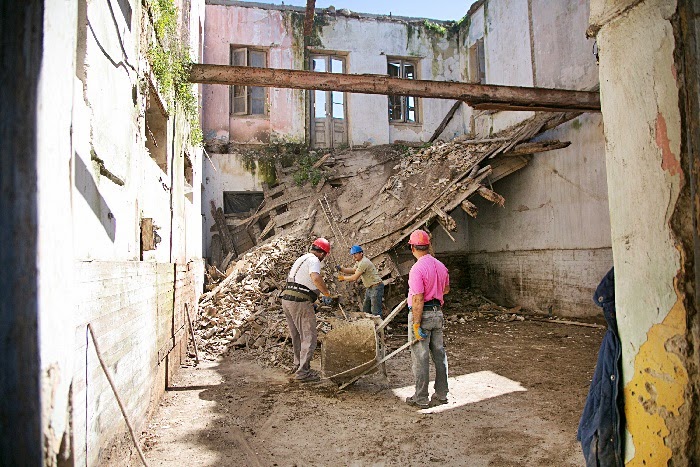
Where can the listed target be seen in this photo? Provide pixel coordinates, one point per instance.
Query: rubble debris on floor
(242, 309)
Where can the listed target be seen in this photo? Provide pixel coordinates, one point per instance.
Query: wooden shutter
(239, 94)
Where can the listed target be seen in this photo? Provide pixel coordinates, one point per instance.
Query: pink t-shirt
(429, 277)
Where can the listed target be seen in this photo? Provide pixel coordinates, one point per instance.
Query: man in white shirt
(304, 282)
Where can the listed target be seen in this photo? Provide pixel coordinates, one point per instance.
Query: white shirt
(302, 269)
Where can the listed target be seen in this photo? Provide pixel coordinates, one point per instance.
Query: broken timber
(479, 96)
(445, 121)
(220, 220)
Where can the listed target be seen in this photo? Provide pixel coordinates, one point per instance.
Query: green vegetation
(435, 27)
(170, 61)
(261, 161)
(306, 171)
(320, 20)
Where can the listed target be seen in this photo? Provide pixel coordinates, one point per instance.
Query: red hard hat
(322, 244)
(419, 237)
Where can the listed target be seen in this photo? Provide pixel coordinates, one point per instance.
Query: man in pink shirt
(428, 283)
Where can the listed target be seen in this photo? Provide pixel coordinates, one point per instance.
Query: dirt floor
(517, 391)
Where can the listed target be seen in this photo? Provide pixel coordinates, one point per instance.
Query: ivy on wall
(170, 62)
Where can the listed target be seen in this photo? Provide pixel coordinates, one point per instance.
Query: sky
(434, 9)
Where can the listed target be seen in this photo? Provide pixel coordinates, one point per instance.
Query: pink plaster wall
(271, 30)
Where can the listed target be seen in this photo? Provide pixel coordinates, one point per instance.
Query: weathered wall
(270, 30)
(54, 296)
(550, 245)
(225, 172)
(96, 180)
(368, 42)
(365, 41)
(137, 312)
(646, 181)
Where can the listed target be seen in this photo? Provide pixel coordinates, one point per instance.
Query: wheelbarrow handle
(392, 354)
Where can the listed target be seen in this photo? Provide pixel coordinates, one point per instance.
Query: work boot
(434, 402)
(310, 378)
(412, 402)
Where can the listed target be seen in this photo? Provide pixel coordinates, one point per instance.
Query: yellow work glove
(418, 332)
(341, 277)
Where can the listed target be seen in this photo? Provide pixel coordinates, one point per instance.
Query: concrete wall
(137, 311)
(651, 222)
(550, 246)
(365, 42)
(96, 181)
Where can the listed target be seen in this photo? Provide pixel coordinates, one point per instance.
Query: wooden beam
(540, 146)
(445, 121)
(476, 95)
(224, 232)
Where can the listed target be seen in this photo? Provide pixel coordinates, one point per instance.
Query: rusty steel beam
(481, 96)
(309, 18)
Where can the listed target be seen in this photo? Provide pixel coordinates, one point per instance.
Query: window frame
(477, 62)
(403, 100)
(236, 92)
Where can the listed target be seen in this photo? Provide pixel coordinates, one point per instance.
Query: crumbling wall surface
(368, 42)
(560, 281)
(550, 246)
(555, 220)
(649, 207)
(272, 31)
(96, 180)
(365, 41)
(54, 232)
(558, 63)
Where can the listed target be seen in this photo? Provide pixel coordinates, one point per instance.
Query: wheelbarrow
(357, 349)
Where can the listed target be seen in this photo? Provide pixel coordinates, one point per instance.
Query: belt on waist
(299, 291)
(294, 296)
(374, 285)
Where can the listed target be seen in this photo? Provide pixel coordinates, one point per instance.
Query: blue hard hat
(355, 249)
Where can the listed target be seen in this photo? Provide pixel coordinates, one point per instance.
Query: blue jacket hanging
(602, 421)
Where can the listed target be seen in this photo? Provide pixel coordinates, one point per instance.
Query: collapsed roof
(376, 197)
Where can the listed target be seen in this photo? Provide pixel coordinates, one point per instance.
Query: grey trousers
(302, 328)
(432, 346)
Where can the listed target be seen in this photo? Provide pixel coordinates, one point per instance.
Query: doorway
(328, 114)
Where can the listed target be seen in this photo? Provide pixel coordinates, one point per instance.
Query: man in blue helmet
(365, 269)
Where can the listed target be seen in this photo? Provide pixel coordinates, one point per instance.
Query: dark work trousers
(302, 328)
(373, 299)
(432, 346)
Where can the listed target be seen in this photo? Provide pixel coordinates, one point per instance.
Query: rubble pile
(463, 305)
(243, 309)
(452, 156)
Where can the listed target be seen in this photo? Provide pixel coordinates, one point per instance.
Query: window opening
(242, 203)
(156, 129)
(248, 100)
(402, 109)
(188, 171)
